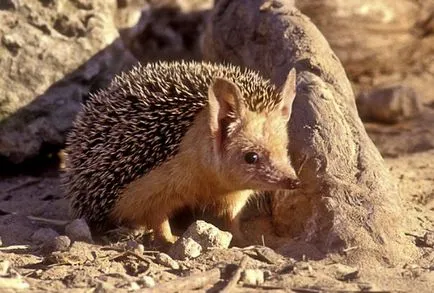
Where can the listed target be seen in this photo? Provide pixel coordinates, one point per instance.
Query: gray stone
(252, 277)
(4, 267)
(44, 235)
(104, 287)
(344, 272)
(185, 248)
(165, 260)
(207, 235)
(78, 230)
(135, 246)
(134, 286)
(428, 238)
(59, 243)
(147, 282)
(50, 60)
(347, 192)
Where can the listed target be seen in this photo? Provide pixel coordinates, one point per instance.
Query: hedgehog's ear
(287, 95)
(224, 97)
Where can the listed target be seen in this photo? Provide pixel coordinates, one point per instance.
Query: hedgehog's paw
(163, 234)
(168, 239)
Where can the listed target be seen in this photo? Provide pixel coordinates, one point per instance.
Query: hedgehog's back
(138, 123)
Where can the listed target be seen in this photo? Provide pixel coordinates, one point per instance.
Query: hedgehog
(172, 135)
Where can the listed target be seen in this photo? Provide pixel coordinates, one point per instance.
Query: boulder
(53, 53)
(348, 198)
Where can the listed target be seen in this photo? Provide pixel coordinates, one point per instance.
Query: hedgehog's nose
(290, 180)
(293, 183)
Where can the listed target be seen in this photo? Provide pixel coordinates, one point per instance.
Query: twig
(120, 249)
(191, 282)
(348, 249)
(131, 253)
(14, 247)
(236, 276)
(302, 165)
(48, 221)
(264, 287)
(22, 185)
(307, 290)
(412, 235)
(42, 220)
(313, 290)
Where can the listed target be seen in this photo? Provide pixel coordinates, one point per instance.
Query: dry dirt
(34, 190)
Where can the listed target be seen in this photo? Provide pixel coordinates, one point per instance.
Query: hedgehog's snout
(288, 180)
(291, 183)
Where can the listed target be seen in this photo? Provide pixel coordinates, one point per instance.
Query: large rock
(52, 54)
(349, 198)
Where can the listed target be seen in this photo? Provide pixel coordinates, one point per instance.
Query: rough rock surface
(185, 248)
(374, 37)
(165, 30)
(349, 198)
(52, 54)
(58, 243)
(208, 235)
(44, 235)
(78, 230)
(390, 104)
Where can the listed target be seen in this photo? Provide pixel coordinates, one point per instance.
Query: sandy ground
(408, 149)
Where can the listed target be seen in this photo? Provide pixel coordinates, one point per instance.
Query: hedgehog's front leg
(163, 232)
(234, 205)
(143, 204)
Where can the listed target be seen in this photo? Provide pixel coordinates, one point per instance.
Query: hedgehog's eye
(251, 157)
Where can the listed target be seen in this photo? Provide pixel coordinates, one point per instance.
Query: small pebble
(12, 42)
(4, 267)
(165, 260)
(207, 235)
(135, 246)
(303, 265)
(147, 282)
(345, 273)
(78, 230)
(368, 287)
(134, 286)
(59, 243)
(252, 277)
(267, 274)
(185, 248)
(103, 287)
(140, 249)
(428, 238)
(44, 235)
